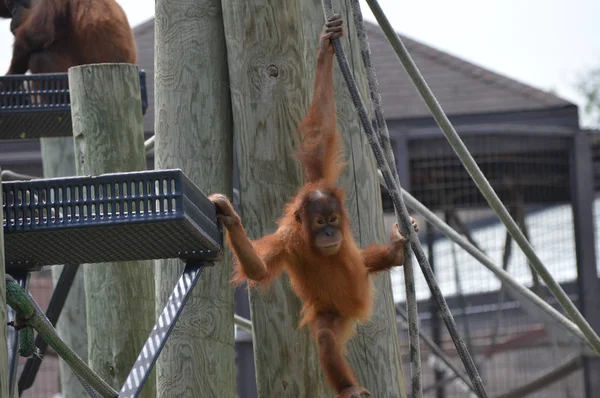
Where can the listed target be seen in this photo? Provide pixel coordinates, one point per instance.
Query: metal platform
(39, 105)
(112, 217)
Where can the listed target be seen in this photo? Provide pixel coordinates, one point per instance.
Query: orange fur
(336, 289)
(54, 35)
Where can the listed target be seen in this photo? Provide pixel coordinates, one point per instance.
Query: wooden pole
(58, 160)
(271, 84)
(375, 352)
(193, 126)
(271, 65)
(107, 126)
(3, 317)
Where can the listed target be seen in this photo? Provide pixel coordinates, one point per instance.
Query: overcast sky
(544, 43)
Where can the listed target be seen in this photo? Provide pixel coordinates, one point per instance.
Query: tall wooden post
(270, 69)
(271, 73)
(271, 84)
(58, 160)
(3, 318)
(193, 127)
(107, 125)
(375, 352)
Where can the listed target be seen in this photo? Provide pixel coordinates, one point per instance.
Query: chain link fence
(511, 346)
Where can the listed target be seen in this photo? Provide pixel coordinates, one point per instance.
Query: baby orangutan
(313, 242)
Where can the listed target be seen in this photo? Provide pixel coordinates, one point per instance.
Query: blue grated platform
(39, 105)
(112, 217)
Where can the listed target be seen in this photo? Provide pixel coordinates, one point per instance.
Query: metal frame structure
(39, 105)
(162, 329)
(582, 192)
(523, 133)
(163, 209)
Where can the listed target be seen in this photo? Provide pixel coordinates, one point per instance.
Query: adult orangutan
(53, 35)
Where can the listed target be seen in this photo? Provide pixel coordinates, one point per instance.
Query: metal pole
(582, 200)
(245, 374)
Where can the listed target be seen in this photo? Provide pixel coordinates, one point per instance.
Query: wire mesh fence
(510, 345)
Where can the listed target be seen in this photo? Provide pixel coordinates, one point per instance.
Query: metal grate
(113, 217)
(540, 173)
(46, 95)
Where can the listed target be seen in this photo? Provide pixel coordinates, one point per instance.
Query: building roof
(461, 87)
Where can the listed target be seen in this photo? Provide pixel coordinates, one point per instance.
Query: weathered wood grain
(3, 316)
(193, 126)
(375, 351)
(271, 78)
(58, 160)
(272, 59)
(107, 127)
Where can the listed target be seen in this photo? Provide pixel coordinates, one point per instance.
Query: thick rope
(242, 323)
(27, 346)
(394, 191)
(365, 53)
(482, 183)
(502, 293)
(461, 299)
(437, 351)
(8, 175)
(384, 139)
(28, 311)
(149, 144)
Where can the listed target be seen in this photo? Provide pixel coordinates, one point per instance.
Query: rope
(437, 351)
(149, 144)
(394, 191)
(27, 310)
(384, 139)
(9, 175)
(27, 346)
(461, 299)
(482, 183)
(242, 322)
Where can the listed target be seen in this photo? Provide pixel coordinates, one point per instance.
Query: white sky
(544, 43)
